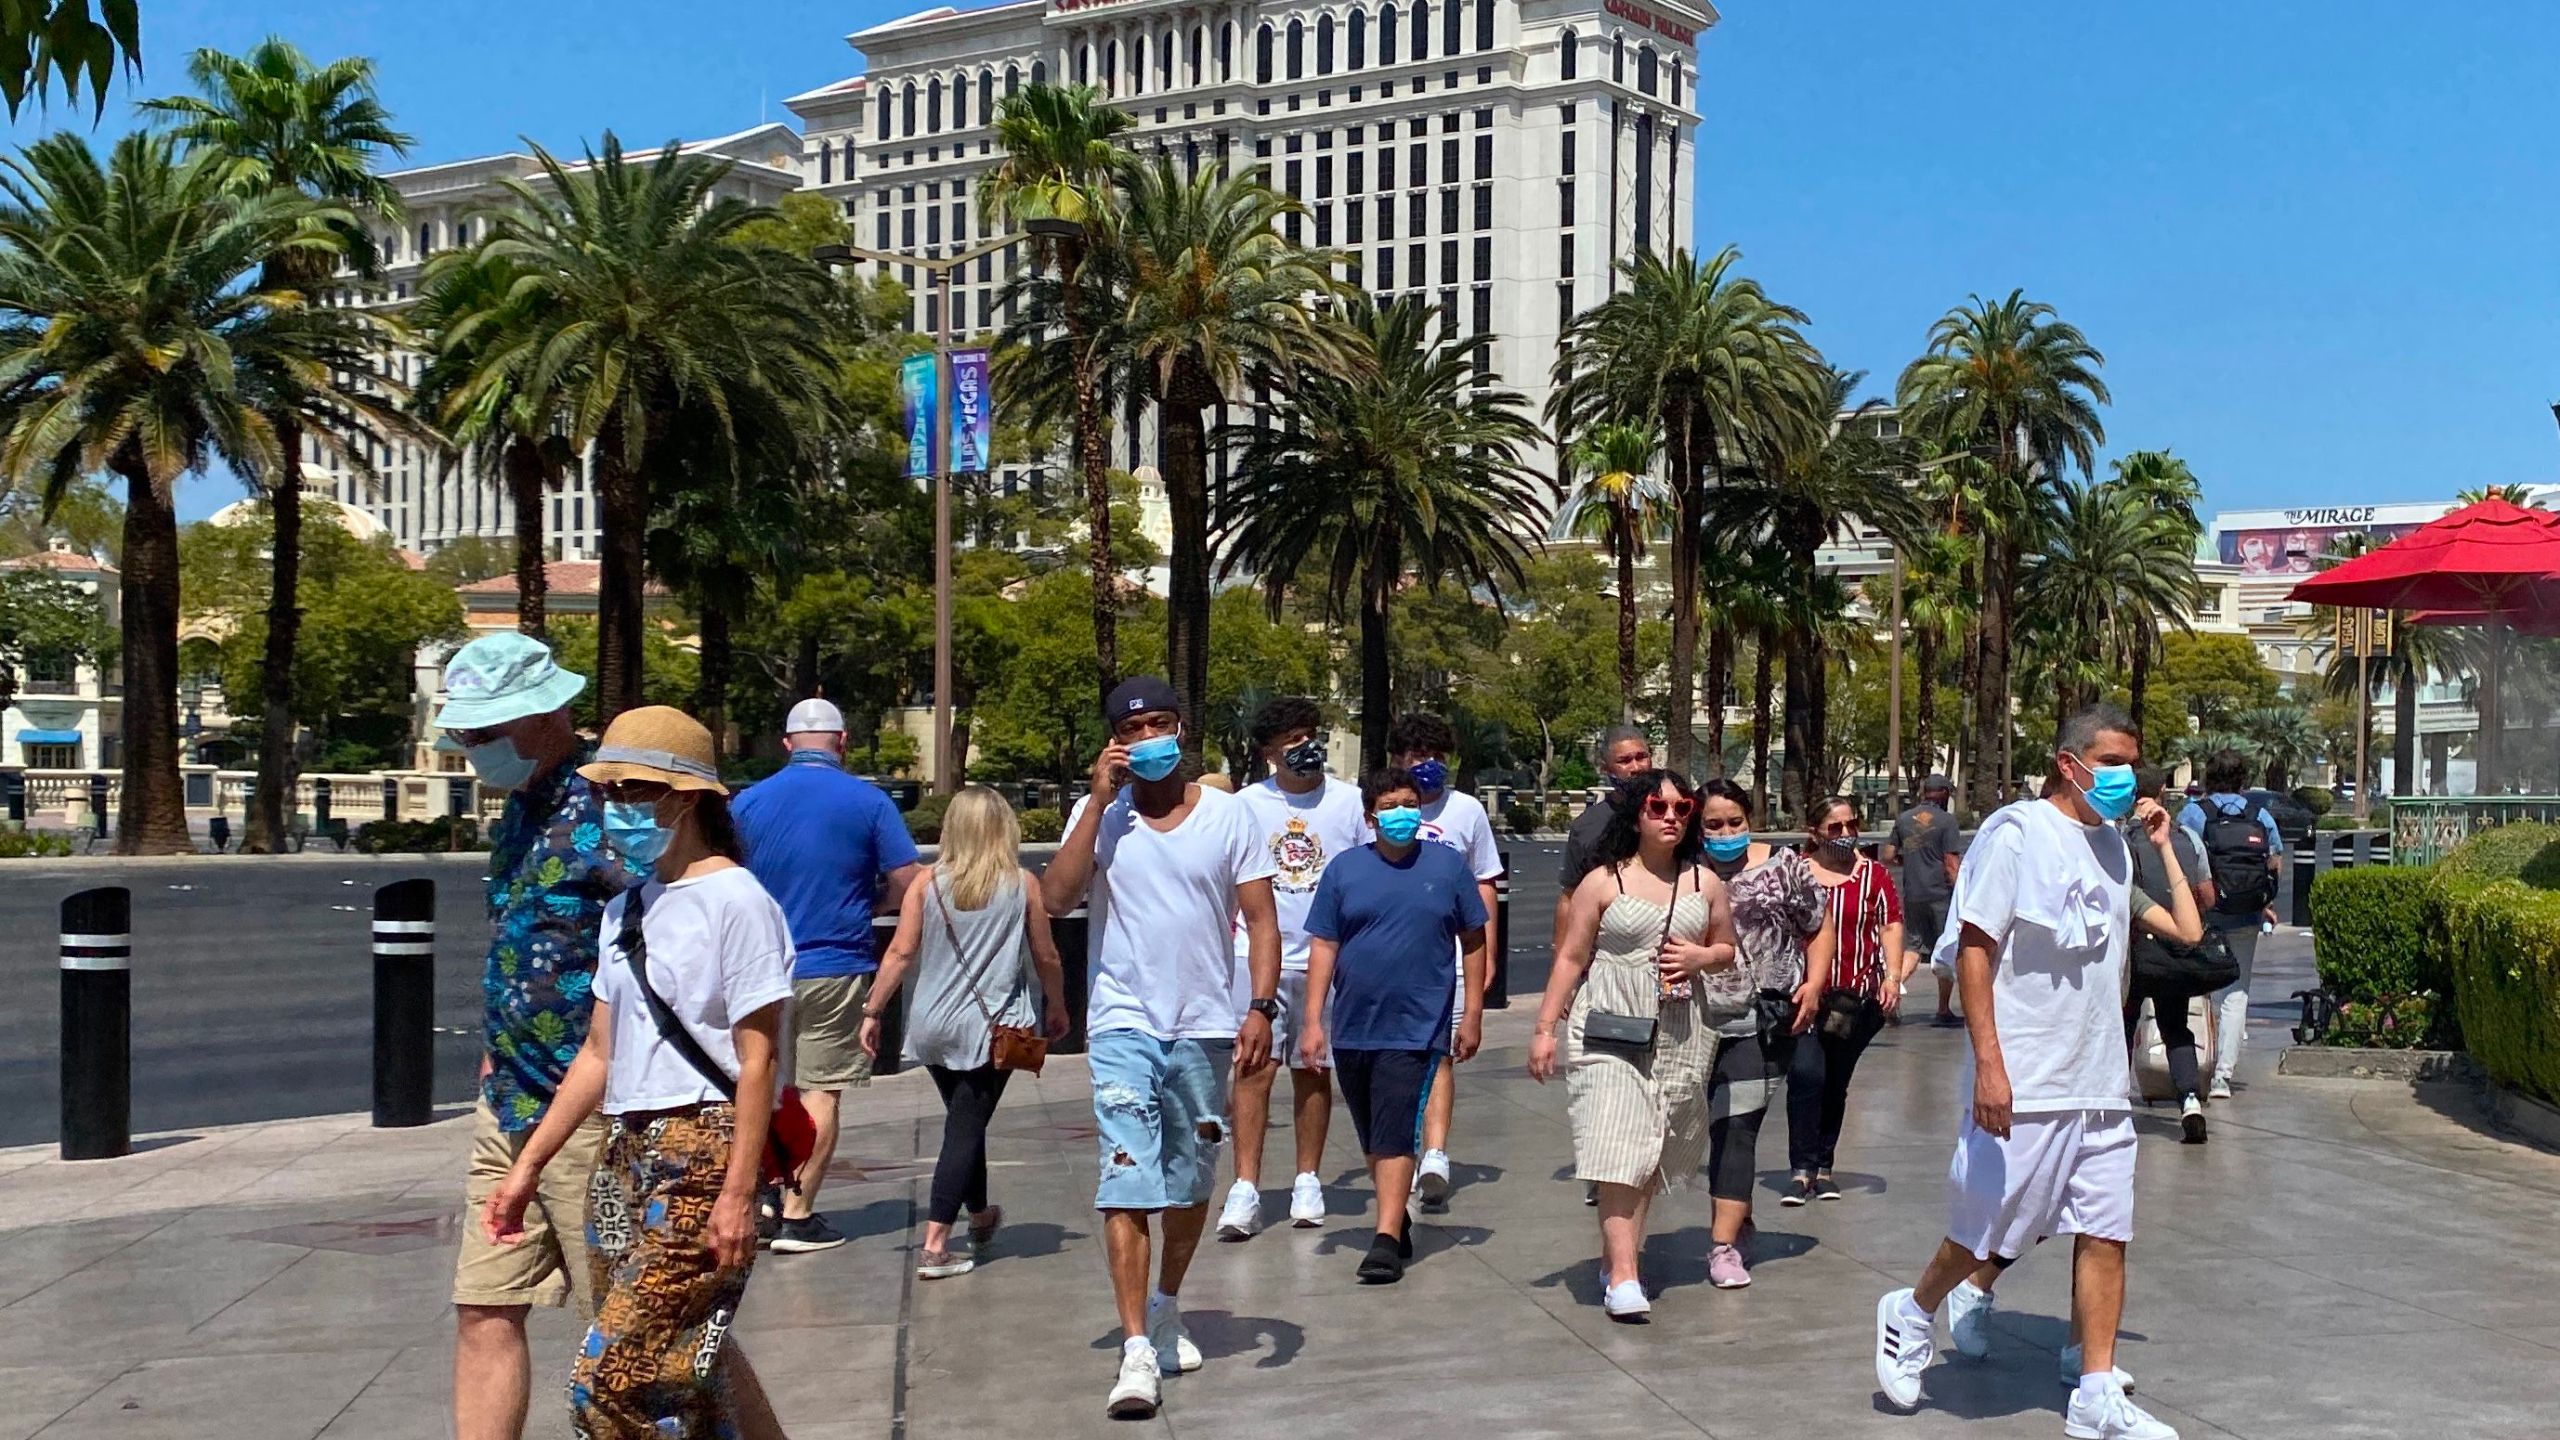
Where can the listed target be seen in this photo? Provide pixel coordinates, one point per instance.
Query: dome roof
(316, 500)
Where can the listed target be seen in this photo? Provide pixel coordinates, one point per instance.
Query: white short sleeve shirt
(718, 951)
(1301, 834)
(1161, 906)
(2055, 892)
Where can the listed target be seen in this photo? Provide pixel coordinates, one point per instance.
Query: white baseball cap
(814, 716)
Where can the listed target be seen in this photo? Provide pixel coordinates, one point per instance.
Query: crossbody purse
(1009, 1047)
(1630, 1032)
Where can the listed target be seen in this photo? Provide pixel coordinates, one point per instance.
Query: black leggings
(2177, 1036)
(1739, 1077)
(1818, 1088)
(968, 1102)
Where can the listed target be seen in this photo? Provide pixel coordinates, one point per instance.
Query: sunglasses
(636, 792)
(1680, 808)
(1842, 828)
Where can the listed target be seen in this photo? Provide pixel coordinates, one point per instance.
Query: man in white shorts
(1422, 744)
(1302, 818)
(2042, 914)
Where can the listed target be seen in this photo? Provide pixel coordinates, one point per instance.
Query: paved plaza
(2345, 1259)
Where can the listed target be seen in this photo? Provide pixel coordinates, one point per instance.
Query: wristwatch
(1268, 1007)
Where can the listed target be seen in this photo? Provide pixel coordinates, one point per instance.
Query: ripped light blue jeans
(1161, 1108)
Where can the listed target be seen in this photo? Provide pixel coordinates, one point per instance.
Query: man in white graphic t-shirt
(1302, 818)
(1423, 745)
(2043, 912)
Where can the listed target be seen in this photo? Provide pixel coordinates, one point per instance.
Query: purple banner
(973, 419)
(916, 383)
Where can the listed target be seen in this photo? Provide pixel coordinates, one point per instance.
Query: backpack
(2235, 852)
(2163, 968)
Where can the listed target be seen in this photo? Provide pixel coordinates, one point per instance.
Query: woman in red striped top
(1866, 986)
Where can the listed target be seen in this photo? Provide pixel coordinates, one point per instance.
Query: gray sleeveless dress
(1640, 1119)
(945, 1027)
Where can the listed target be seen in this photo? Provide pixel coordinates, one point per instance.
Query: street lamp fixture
(1049, 227)
(946, 774)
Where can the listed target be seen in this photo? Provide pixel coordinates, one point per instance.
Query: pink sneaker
(1725, 1269)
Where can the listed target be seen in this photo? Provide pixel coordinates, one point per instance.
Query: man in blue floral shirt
(550, 874)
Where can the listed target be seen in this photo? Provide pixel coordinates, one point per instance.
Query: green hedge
(33, 845)
(2506, 963)
(2369, 933)
(2509, 852)
(419, 837)
(1042, 825)
(924, 822)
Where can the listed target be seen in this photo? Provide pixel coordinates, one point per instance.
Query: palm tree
(277, 122)
(2512, 494)
(136, 336)
(648, 310)
(1398, 462)
(1937, 606)
(1215, 295)
(1060, 157)
(2016, 385)
(1740, 593)
(1700, 351)
(1814, 489)
(2280, 737)
(2162, 482)
(2115, 568)
(1616, 501)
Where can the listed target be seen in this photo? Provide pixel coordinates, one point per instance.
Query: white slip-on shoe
(2069, 1369)
(1431, 1177)
(1969, 1308)
(2111, 1416)
(1904, 1347)
(1306, 1201)
(1242, 1214)
(1625, 1301)
(1175, 1354)
(1137, 1393)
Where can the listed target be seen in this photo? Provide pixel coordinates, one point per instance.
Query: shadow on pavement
(1223, 1335)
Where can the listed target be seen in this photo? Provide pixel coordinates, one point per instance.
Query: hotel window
(1324, 45)
(1324, 227)
(1564, 253)
(1262, 56)
(1351, 173)
(826, 163)
(1297, 48)
(1569, 55)
(987, 94)
(1484, 157)
(1111, 68)
(1618, 59)
(1359, 39)
(1564, 202)
(1449, 210)
(1484, 312)
(1386, 267)
(1675, 82)
(1387, 169)
(1484, 24)
(1568, 152)
(1448, 262)
(1386, 218)
(1448, 312)
(1039, 74)
(1484, 207)
(881, 239)
(1417, 214)
(1262, 147)
(1387, 37)
(1448, 159)
(1417, 165)
(1452, 25)
(1417, 264)
(1164, 60)
(1422, 29)
(1227, 51)
(960, 103)
(880, 130)
(1289, 227)
(1324, 177)
(1351, 216)
(1646, 74)
(1291, 171)
(907, 110)
(1484, 257)
(907, 227)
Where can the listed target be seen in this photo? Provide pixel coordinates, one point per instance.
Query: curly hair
(1626, 810)
(1280, 716)
(1423, 733)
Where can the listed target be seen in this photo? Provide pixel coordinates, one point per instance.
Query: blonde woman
(965, 938)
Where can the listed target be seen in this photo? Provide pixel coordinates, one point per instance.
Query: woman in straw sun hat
(681, 1056)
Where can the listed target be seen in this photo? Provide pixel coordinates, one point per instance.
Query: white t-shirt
(1457, 820)
(719, 951)
(1161, 905)
(1301, 834)
(2056, 892)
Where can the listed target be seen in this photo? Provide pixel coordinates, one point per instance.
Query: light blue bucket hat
(503, 677)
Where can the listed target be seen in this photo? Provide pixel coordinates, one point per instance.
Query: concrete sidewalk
(2344, 1259)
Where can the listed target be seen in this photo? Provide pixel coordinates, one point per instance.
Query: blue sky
(2314, 241)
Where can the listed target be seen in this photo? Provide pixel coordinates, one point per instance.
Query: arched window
(907, 110)
(427, 229)
(1387, 35)
(933, 105)
(1359, 39)
(1227, 52)
(1484, 24)
(987, 94)
(1039, 75)
(1675, 83)
(826, 162)
(1297, 49)
(1569, 54)
(1111, 68)
(1618, 60)
(1422, 29)
(1646, 75)
(1452, 25)
(880, 131)
(960, 102)
(1324, 46)
(1199, 47)
(1138, 49)
(1165, 47)
(1262, 56)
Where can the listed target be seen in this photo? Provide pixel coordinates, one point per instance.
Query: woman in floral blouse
(1782, 921)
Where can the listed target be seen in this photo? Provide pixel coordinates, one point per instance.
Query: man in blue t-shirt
(823, 843)
(2238, 898)
(1378, 998)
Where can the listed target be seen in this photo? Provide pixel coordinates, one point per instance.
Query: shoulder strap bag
(1009, 1047)
(789, 1139)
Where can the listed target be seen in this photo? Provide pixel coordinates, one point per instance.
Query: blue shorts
(1152, 1101)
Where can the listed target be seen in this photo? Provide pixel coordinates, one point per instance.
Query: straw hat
(656, 742)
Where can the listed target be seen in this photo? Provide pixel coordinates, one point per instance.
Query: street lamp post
(946, 773)
(1893, 701)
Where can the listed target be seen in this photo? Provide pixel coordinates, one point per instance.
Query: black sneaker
(799, 1237)
(1948, 1022)
(1825, 1188)
(1384, 1264)
(1799, 1190)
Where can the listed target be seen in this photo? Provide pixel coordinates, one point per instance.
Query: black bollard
(13, 793)
(321, 797)
(1071, 932)
(98, 805)
(404, 1004)
(2306, 868)
(1497, 958)
(97, 1024)
(893, 1019)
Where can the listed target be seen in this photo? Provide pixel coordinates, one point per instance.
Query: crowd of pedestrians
(681, 990)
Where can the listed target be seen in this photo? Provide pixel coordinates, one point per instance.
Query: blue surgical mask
(1431, 775)
(498, 764)
(633, 832)
(1729, 847)
(1156, 758)
(2110, 791)
(1397, 825)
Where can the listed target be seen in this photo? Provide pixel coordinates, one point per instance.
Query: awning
(48, 737)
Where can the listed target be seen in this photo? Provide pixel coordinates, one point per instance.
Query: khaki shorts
(551, 1261)
(826, 1032)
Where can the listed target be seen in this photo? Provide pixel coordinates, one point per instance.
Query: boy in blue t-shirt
(1378, 935)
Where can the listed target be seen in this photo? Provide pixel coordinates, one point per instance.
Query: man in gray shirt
(1923, 848)
(1624, 754)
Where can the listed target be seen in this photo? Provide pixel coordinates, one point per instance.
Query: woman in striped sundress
(1640, 929)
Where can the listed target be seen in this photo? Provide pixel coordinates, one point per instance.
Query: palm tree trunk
(1186, 621)
(525, 486)
(1376, 704)
(1766, 643)
(1924, 756)
(1719, 680)
(1622, 538)
(1097, 510)
(1990, 686)
(2404, 728)
(711, 691)
(151, 815)
(271, 804)
(1802, 731)
(622, 494)
(1689, 500)
(2141, 682)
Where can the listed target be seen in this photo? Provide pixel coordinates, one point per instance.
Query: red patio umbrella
(2492, 561)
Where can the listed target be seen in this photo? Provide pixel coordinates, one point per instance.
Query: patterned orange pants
(648, 1369)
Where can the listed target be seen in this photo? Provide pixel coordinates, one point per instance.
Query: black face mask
(1307, 757)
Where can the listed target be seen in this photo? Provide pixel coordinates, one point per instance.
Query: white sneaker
(1306, 1201)
(2191, 1126)
(2111, 1417)
(2220, 1089)
(1626, 1301)
(1904, 1347)
(1138, 1392)
(2069, 1368)
(1175, 1354)
(1431, 1180)
(1243, 1212)
(1969, 1308)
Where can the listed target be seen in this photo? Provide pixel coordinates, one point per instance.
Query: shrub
(924, 821)
(32, 845)
(419, 837)
(2507, 982)
(2316, 799)
(1559, 817)
(2387, 1022)
(2368, 933)
(2505, 853)
(1042, 825)
(1521, 817)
